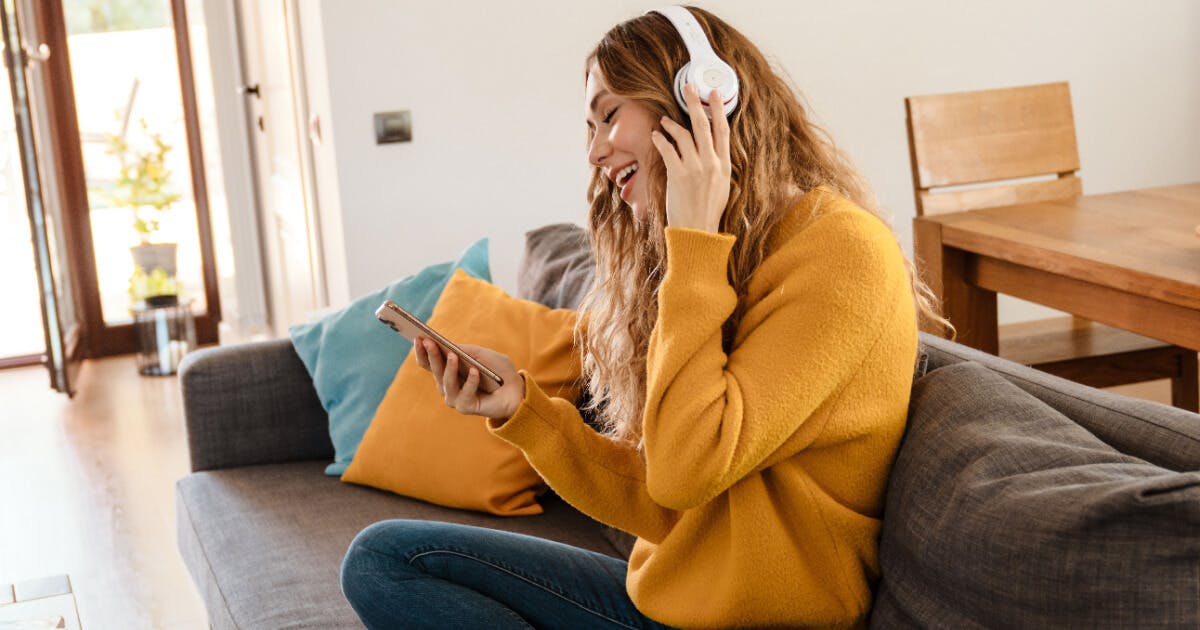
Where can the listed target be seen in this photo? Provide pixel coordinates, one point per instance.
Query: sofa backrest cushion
(1002, 512)
(557, 266)
(1160, 434)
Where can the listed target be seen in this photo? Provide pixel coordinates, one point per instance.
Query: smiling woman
(748, 345)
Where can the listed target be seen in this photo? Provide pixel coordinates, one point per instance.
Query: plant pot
(151, 256)
(162, 300)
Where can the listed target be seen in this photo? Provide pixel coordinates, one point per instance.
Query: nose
(599, 149)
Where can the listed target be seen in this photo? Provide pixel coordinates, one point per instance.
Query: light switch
(393, 126)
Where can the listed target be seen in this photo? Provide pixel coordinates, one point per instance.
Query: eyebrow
(596, 99)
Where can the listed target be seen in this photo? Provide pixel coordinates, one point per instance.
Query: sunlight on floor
(90, 493)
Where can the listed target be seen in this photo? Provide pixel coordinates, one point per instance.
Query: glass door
(22, 159)
(129, 135)
(21, 338)
(133, 137)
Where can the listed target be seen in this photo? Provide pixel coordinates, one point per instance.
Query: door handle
(40, 53)
(250, 89)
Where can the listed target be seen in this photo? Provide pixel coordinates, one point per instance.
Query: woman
(750, 347)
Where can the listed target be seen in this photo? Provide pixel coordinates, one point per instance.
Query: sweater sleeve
(815, 311)
(599, 476)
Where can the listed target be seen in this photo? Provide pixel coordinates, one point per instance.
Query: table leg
(947, 271)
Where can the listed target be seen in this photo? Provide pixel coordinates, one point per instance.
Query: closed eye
(609, 115)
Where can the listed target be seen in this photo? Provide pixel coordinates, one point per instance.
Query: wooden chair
(988, 138)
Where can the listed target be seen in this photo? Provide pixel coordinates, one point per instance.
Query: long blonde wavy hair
(777, 155)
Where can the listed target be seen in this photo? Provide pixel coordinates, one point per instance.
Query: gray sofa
(1018, 499)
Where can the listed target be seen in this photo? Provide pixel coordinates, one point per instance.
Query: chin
(639, 210)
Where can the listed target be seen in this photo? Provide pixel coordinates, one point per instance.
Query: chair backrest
(992, 136)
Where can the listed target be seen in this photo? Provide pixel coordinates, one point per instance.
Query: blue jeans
(426, 574)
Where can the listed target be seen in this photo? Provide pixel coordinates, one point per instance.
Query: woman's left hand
(698, 168)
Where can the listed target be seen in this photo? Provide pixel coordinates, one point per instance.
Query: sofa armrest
(250, 404)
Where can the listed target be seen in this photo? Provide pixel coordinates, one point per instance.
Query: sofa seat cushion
(284, 528)
(1002, 512)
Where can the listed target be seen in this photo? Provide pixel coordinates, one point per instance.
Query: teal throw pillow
(353, 358)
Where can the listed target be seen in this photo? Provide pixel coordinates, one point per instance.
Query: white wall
(495, 90)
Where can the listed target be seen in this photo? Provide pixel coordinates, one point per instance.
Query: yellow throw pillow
(419, 447)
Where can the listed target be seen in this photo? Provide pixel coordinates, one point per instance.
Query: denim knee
(368, 558)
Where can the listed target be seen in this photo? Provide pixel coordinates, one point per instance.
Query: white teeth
(625, 174)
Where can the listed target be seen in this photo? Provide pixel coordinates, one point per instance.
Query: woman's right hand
(699, 169)
(466, 396)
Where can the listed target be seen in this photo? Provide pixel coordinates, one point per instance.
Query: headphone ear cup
(680, 81)
(728, 91)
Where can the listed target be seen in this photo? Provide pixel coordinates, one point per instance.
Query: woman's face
(621, 145)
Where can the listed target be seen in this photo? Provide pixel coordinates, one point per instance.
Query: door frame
(101, 340)
(293, 291)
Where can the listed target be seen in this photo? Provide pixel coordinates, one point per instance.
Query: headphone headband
(704, 69)
(690, 30)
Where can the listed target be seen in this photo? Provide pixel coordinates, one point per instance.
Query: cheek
(648, 150)
(653, 184)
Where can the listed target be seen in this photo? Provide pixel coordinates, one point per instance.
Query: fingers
(468, 396)
(669, 156)
(433, 357)
(450, 384)
(708, 140)
(419, 351)
(720, 125)
(462, 396)
(701, 127)
(684, 142)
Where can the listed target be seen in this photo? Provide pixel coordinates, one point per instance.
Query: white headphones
(704, 69)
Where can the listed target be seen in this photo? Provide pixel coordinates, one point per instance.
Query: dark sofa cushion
(556, 268)
(283, 529)
(1160, 434)
(1002, 512)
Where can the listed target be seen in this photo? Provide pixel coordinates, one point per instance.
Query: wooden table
(1128, 259)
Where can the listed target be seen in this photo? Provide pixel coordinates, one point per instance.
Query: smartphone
(408, 325)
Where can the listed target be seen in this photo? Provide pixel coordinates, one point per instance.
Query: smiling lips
(623, 178)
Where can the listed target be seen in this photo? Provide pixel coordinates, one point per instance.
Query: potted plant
(144, 186)
(155, 288)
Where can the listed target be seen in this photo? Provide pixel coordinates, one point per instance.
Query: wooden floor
(88, 490)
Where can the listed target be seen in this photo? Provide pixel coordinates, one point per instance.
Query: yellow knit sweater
(758, 496)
